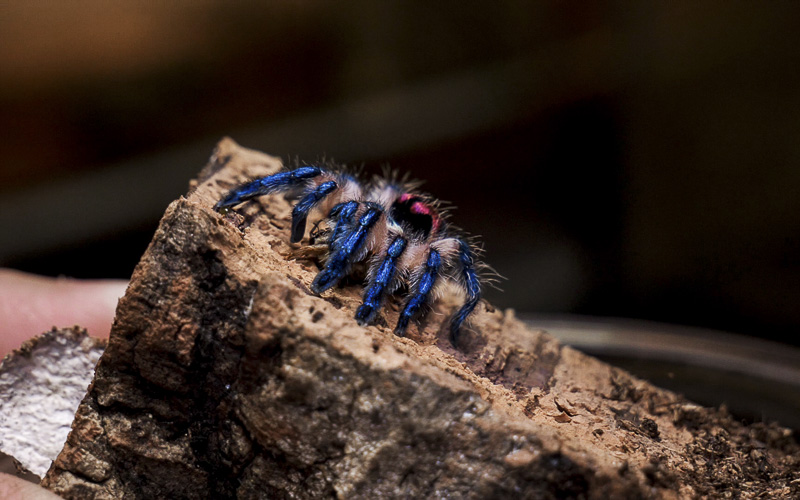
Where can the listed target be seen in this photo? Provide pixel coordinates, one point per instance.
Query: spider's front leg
(312, 180)
(344, 213)
(274, 183)
(309, 201)
(346, 250)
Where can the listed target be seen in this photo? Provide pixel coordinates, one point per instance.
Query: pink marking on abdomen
(423, 209)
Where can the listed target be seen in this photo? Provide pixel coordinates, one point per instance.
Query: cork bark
(225, 377)
(41, 385)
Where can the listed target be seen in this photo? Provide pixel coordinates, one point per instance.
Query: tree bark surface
(225, 377)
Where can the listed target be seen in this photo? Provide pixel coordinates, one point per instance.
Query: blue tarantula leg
(374, 294)
(472, 286)
(344, 213)
(266, 185)
(338, 264)
(309, 201)
(420, 297)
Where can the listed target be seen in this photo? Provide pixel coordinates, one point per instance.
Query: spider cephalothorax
(400, 233)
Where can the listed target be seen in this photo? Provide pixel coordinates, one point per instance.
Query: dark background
(618, 158)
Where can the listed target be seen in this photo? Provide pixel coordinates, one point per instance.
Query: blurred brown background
(617, 158)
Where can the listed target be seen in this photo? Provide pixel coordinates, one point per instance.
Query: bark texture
(225, 377)
(41, 385)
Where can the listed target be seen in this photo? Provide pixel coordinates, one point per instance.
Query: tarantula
(402, 233)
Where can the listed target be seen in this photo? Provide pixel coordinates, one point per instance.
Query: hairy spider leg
(266, 185)
(472, 286)
(420, 297)
(309, 201)
(339, 262)
(344, 213)
(374, 293)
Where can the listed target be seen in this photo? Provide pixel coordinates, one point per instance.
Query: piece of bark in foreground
(41, 385)
(225, 377)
